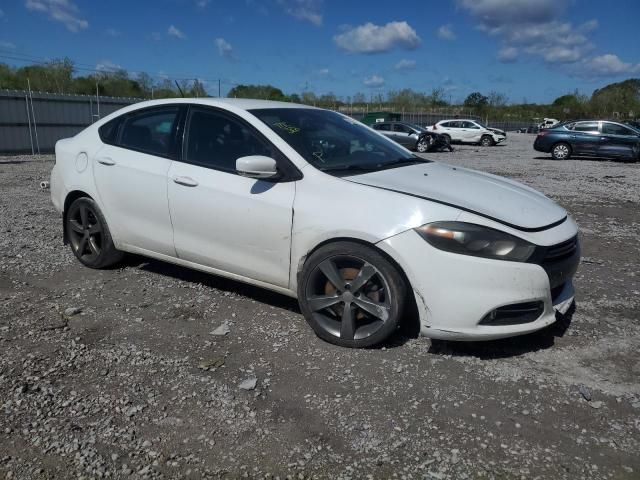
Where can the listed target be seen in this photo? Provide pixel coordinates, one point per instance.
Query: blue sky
(528, 49)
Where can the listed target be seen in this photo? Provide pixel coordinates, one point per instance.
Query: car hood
(500, 199)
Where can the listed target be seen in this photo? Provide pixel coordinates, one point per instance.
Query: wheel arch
(71, 197)
(410, 323)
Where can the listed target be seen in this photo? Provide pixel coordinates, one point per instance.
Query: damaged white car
(312, 204)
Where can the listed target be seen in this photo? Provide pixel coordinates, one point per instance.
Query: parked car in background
(315, 205)
(548, 123)
(594, 138)
(469, 131)
(412, 136)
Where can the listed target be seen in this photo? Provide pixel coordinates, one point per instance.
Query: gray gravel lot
(128, 372)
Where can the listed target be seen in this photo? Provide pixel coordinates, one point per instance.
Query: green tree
(476, 101)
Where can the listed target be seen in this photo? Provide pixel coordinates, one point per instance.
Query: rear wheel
(351, 295)
(447, 137)
(89, 235)
(487, 141)
(561, 151)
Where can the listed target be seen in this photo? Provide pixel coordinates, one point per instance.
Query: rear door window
(586, 127)
(382, 126)
(150, 131)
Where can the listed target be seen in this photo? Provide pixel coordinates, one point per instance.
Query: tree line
(59, 76)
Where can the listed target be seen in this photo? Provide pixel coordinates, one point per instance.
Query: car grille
(561, 250)
(560, 261)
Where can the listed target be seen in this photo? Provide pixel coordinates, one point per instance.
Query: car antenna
(179, 89)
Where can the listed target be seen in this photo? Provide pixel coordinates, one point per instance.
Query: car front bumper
(455, 293)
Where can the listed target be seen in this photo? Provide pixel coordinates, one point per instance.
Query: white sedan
(312, 204)
(469, 131)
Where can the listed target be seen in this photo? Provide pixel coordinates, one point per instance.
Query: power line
(26, 58)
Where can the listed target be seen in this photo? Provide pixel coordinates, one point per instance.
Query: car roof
(458, 120)
(240, 103)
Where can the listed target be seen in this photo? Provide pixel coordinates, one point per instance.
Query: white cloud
(607, 65)
(405, 64)
(370, 38)
(373, 81)
(532, 28)
(1, 13)
(225, 49)
(445, 32)
(63, 11)
(202, 3)
(7, 45)
(107, 66)
(307, 10)
(112, 32)
(323, 72)
(172, 31)
(508, 54)
(495, 13)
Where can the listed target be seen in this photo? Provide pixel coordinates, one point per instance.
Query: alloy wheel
(85, 232)
(349, 298)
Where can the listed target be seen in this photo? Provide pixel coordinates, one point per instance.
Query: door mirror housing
(257, 166)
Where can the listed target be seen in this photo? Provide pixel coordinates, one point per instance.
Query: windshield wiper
(375, 167)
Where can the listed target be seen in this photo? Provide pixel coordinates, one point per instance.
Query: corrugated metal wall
(27, 123)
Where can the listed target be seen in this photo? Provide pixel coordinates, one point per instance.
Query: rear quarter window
(109, 131)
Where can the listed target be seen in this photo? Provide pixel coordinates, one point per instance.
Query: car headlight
(476, 240)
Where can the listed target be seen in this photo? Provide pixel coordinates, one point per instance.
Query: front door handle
(106, 161)
(186, 181)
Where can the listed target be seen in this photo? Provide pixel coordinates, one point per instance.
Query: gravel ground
(154, 371)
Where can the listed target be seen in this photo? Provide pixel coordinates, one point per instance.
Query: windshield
(334, 143)
(416, 127)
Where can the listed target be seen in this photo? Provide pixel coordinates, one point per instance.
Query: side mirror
(257, 166)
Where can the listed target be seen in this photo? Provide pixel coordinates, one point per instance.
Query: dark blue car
(591, 138)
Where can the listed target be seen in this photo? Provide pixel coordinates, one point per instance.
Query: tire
(423, 144)
(487, 141)
(351, 295)
(561, 151)
(89, 235)
(447, 137)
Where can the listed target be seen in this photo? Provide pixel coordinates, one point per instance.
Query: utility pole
(219, 90)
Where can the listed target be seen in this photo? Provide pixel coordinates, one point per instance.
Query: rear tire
(89, 235)
(351, 295)
(561, 151)
(447, 137)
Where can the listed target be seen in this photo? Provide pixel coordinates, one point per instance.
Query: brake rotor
(349, 274)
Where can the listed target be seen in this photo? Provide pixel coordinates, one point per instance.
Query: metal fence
(34, 122)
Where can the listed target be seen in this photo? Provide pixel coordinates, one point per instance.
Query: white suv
(469, 131)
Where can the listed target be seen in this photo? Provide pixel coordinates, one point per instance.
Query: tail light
(542, 133)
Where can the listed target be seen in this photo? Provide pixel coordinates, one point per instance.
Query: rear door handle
(186, 181)
(106, 161)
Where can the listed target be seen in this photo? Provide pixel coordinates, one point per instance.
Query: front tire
(424, 143)
(561, 151)
(89, 235)
(351, 295)
(487, 141)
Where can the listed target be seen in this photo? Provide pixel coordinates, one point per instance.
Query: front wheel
(560, 151)
(487, 141)
(351, 295)
(423, 144)
(89, 235)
